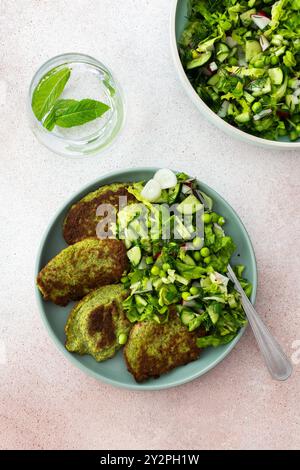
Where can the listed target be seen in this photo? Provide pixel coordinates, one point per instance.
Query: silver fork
(278, 364)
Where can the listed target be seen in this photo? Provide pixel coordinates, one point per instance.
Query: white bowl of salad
(239, 61)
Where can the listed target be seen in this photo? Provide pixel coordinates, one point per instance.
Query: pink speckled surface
(44, 401)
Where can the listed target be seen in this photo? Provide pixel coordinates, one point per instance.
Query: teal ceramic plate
(114, 370)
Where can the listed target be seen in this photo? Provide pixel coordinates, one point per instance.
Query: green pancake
(81, 220)
(153, 349)
(82, 267)
(96, 322)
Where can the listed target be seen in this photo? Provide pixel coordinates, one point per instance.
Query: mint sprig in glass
(76, 106)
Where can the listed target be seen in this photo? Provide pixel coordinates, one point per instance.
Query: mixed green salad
(184, 267)
(243, 59)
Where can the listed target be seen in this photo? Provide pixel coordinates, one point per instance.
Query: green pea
(197, 242)
(149, 260)
(155, 270)
(232, 61)
(221, 221)
(122, 338)
(124, 280)
(204, 251)
(162, 273)
(194, 290)
(197, 256)
(294, 135)
(214, 217)
(256, 107)
(259, 63)
(207, 259)
(166, 266)
(274, 60)
(185, 295)
(206, 218)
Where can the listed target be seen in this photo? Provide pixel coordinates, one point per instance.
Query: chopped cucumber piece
(222, 51)
(130, 234)
(249, 98)
(243, 117)
(280, 92)
(261, 86)
(157, 283)
(146, 245)
(174, 192)
(127, 243)
(214, 79)
(189, 260)
(181, 279)
(276, 75)
(208, 202)
(214, 316)
(187, 316)
(246, 17)
(252, 49)
(142, 264)
(180, 231)
(201, 60)
(190, 205)
(134, 255)
(140, 301)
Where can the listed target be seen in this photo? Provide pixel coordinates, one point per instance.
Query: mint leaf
(59, 107)
(49, 122)
(70, 113)
(48, 90)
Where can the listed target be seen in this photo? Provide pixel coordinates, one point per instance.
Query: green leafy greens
(189, 277)
(70, 113)
(48, 91)
(52, 111)
(243, 59)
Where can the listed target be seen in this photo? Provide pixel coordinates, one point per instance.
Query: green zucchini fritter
(153, 349)
(80, 268)
(95, 323)
(81, 220)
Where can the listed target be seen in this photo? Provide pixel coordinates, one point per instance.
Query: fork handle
(278, 364)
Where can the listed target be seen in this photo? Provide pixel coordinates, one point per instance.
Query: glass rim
(71, 57)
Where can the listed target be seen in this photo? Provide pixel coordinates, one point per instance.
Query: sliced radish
(224, 108)
(295, 83)
(262, 13)
(264, 43)
(151, 191)
(262, 114)
(166, 178)
(297, 92)
(213, 66)
(241, 57)
(186, 189)
(282, 114)
(230, 42)
(260, 20)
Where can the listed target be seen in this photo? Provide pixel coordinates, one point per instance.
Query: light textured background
(44, 401)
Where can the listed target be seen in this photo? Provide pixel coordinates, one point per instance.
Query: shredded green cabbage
(251, 76)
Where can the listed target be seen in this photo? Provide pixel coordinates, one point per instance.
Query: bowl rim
(205, 110)
(72, 358)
